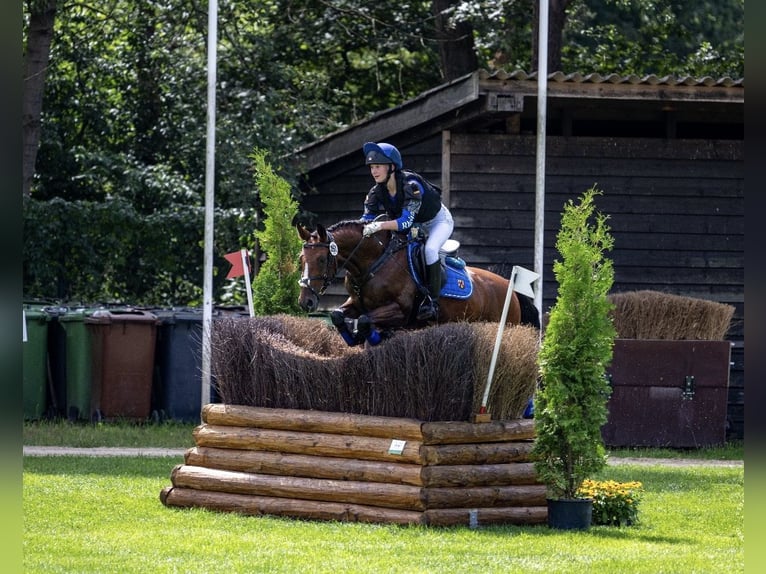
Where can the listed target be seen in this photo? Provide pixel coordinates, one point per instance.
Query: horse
(384, 281)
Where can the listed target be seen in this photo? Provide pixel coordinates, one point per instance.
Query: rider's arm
(413, 198)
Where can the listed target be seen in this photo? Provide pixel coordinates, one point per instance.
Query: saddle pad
(458, 284)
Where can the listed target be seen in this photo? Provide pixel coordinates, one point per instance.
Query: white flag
(523, 281)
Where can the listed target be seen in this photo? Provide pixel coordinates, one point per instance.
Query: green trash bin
(78, 357)
(35, 362)
(123, 344)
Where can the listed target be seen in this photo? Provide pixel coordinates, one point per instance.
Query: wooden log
(312, 421)
(294, 442)
(478, 517)
(354, 492)
(277, 463)
(457, 432)
(263, 462)
(479, 474)
(287, 507)
(488, 453)
(485, 496)
(357, 492)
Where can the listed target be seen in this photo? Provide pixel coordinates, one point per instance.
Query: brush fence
(357, 468)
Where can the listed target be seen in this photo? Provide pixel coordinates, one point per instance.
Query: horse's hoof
(337, 318)
(364, 326)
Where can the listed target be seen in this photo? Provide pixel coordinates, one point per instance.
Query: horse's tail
(529, 314)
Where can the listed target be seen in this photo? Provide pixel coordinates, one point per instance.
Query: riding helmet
(381, 153)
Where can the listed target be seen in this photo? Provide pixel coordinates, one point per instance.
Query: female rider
(407, 200)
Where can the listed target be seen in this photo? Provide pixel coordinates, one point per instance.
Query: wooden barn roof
(481, 96)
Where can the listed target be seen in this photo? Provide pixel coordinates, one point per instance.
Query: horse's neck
(357, 254)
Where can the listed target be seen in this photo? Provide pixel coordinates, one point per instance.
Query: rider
(406, 202)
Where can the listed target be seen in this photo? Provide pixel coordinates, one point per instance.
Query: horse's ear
(303, 232)
(322, 232)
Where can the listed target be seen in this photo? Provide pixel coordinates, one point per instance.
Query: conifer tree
(275, 288)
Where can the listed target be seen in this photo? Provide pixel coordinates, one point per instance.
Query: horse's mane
(344, 223)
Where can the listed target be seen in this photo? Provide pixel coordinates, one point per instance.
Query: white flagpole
(498, 340)
(207, 295)
(542, 94)
(527, 278)
(248, 287)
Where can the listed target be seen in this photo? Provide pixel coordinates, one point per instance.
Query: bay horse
(383, 279)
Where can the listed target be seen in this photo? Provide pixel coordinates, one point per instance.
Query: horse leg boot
(339, 320)
(429, 309)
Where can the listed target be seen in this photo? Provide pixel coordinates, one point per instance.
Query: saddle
(456, 282)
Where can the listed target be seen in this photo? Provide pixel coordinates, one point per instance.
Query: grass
(170, 434)
(104, 515)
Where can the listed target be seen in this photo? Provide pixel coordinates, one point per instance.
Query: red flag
(237, 269)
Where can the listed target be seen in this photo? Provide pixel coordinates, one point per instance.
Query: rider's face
(379, 172)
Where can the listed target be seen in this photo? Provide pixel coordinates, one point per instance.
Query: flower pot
(570, 514)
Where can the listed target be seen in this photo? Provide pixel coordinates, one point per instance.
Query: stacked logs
(357, 468)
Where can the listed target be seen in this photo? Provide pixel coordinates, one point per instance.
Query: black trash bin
(56, 363)
(178, 382)
(124, 342)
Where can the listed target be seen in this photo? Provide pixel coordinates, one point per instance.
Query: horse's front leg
(370, 326)
(345, 319)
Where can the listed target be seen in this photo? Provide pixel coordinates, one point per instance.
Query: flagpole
(482, 417)
(207, 286)
(542, 94)
(525, 288)
(248, 287)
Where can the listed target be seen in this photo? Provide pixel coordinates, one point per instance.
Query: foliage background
(114, 207)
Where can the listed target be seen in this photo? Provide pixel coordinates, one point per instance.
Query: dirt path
(179, 452)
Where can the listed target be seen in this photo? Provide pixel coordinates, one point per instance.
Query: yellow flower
(614, 503)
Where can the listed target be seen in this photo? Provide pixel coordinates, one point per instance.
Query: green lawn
(84, 515)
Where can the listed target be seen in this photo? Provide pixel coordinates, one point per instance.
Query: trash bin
(178, 382)
(123, 346)
(35, 362)
(56, 363)
(78, 356)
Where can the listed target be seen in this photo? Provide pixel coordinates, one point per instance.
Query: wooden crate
(668, 393)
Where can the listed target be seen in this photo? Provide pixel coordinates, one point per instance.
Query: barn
(667, 153)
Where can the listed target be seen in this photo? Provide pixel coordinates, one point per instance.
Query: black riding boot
(429, 309)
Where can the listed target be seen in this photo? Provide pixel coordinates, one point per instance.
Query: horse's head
(318, 265)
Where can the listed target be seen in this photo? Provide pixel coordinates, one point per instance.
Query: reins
(332, 247)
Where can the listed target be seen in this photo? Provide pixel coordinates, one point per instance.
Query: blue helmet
(382, 153)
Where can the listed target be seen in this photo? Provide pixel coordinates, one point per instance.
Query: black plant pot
(570, 514)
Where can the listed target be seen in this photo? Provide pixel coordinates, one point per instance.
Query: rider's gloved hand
(371, 228)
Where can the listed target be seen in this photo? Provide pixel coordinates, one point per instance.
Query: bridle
(331, 269)
(331, 263)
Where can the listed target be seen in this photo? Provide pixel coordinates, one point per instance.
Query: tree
(456, 47)
(557, 17)
(570, 406)
(276, 289)
(41, 18)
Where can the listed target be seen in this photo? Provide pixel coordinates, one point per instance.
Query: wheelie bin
(78, 357)
(178, 382)
(123, 345)
(35, 362)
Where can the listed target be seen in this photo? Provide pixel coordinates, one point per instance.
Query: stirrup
(429, 309)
